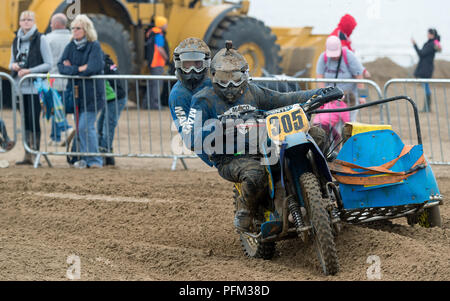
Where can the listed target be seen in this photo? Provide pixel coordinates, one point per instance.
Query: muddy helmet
(229, 71)
(192, 60)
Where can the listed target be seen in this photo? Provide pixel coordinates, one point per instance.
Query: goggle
(224, 78)
(192, 61)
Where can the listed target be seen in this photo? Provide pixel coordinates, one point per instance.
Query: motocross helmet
(229, 71)
(192, 60)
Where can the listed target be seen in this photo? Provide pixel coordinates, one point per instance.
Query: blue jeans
(55, 134)
(107, 123)
(88, 137)
(426, 87)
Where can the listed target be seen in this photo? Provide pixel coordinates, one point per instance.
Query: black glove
(325, 95)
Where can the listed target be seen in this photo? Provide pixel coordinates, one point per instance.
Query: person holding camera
(30, 53)
(425, 67)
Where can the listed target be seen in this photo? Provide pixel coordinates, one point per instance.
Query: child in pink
(332, 122)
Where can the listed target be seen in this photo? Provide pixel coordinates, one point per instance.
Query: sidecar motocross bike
(376, 178)
(299, 200)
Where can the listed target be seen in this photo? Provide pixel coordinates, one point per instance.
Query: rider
(192, 60)
(231, 88)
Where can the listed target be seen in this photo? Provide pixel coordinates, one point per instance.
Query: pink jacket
(332, 118)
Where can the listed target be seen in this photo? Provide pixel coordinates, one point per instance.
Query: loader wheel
(252, 39)
(319, 218)
(252, 247)
(115, 41)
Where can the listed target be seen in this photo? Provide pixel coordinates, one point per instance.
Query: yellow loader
(121, 26)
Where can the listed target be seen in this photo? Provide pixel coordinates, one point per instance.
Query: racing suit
(180, 102)
(244, 169)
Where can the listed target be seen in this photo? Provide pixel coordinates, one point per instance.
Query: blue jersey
(180, 103)
(207, 107)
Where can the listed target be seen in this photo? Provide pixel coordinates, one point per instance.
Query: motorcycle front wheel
(320, 220)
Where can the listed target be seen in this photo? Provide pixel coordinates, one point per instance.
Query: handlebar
(315, 102)
(329, 94)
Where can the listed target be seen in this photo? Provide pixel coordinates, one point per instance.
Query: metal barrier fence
(141, 133)
(435, 124)
(8, 118)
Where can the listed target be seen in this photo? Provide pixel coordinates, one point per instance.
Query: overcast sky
(384, 26)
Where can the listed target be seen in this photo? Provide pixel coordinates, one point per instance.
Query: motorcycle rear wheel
(252, 247)
(320, 220)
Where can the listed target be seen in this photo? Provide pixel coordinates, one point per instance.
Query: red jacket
(344, 30)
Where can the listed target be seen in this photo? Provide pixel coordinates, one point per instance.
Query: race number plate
(283, 124)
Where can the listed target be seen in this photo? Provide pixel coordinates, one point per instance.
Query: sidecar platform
(381, 178)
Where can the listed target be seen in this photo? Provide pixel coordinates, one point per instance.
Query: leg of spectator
(89, 138)
(154, 91)
(115, 109)
(101, 129)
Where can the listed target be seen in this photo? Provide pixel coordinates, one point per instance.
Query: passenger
(58, 39)
(425, 67)
(338, 62)
(157, 58)
(84, 57)
(5, 142)
(344, 30)
(109, 116)
(231, 88)
(192, 62)
(30, 53)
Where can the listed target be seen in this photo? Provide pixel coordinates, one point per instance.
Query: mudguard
(305, 142)
(374, 149)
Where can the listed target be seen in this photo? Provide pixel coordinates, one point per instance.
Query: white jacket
(58, 39)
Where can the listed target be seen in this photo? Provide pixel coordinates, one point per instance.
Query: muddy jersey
(180, 102)
(207, 108)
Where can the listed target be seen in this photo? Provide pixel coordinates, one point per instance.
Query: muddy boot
(242, 218)
(427, 104)
(27, 159)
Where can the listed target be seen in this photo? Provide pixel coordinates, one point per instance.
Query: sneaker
(53, 143)
(7, 146)
(70, 134)
(80, 164)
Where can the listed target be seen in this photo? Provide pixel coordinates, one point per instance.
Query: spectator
(425, 67)
(30, 53)
(5, 143)
(83, 56)
(109, 116)
(58, 39)
(157, 57)
(344, 30)
(339, 62)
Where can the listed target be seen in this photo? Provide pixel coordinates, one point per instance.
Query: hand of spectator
(67, 63)
(413, 41)
(82, 68)
(24, 72)
(362, 100)
(15, 67)
(366, 73)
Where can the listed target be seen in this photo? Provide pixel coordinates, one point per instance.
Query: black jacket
(426, 57)
(111, 69)
(34, 57)
(92, 55)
